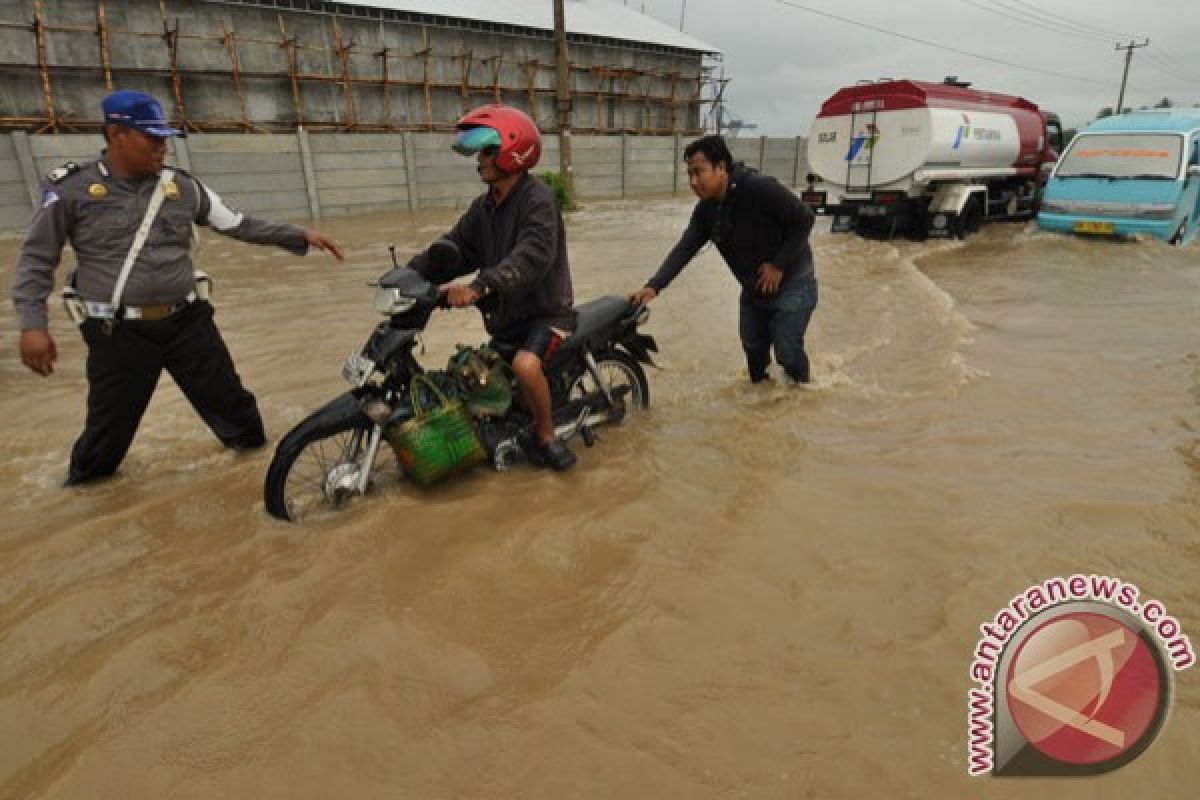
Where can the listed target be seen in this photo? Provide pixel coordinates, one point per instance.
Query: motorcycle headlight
(391, 301)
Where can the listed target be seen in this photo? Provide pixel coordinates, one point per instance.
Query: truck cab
(1129, 175)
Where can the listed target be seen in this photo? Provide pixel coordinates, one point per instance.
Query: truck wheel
(918, 225)
(972, 217)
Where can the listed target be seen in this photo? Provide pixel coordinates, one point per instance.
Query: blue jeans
(777, 321)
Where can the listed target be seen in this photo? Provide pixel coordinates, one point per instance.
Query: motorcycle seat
(595, 317)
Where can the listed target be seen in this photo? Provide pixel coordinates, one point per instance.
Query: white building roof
(605, 18)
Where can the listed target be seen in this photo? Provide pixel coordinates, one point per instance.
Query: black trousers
(123, 370)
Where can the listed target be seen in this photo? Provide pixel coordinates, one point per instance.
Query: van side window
(1195, 159)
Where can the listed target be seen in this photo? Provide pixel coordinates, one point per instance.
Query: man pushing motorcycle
(513, 237)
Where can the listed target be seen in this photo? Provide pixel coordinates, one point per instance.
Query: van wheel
(1177, 239)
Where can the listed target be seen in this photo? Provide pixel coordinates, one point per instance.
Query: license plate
(1092, 226)
(816, 199)
(357, 369)
(842, 223)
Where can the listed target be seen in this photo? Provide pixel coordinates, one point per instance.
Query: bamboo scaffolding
(426, 86)
(343, 53)
(611, 89)
(102, 32)
(465, 60)
(39, 31)
(289, 44)
(387, 94)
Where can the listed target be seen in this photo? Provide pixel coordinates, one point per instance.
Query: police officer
(158, 322)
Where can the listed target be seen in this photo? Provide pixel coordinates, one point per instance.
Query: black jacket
(759, 220)
(519, 248)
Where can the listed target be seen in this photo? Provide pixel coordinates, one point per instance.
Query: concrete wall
(618, 85)
(306, 175)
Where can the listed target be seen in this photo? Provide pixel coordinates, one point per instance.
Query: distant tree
(1164, 103)
(1104, 112)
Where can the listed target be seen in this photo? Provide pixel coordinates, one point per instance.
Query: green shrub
(556, 182)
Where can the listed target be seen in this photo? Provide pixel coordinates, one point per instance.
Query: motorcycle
(343, 449)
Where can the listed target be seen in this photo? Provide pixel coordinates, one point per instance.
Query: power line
(1074, 23)
(936, 45)
(1166, 68)
(1174, 62)
(1036, 23)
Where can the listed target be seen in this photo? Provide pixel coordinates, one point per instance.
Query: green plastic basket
(437, 442)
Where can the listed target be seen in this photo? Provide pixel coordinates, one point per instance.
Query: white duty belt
(139, 239)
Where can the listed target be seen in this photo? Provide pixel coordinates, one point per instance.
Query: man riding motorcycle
(513, 235)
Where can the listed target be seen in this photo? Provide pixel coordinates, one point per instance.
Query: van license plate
(1091, 226)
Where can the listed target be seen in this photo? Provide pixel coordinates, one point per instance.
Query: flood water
(750, 591)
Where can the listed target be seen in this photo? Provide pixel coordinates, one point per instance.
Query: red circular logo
(1084, 688)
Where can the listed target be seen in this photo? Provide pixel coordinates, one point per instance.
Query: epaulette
(59, 174)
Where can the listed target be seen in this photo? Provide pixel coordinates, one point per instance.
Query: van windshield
(1122, 155)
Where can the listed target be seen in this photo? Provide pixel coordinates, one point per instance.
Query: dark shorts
(538, 338)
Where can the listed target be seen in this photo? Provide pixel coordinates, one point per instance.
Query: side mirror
(1193, 170)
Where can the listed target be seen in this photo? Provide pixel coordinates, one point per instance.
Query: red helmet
(509, 130)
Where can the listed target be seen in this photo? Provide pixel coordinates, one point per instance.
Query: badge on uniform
(98, 191)
(171, 190)
(57, 174)
(49, 197)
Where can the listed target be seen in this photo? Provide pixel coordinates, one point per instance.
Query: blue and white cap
(139, 111)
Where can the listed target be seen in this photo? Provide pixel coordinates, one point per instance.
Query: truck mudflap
(886, 214)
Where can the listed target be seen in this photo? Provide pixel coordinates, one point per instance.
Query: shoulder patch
(59, 174)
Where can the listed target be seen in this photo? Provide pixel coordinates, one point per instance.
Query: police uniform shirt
(99, 214)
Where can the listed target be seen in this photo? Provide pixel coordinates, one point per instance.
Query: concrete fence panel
(748, 150)
(306, 175)
(780, 160)
(15, 201)
(359, 173)
(262, 175)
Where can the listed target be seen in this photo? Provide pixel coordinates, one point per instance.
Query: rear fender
(640, 346)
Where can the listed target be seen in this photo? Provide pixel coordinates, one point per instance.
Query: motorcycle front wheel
(320, 470)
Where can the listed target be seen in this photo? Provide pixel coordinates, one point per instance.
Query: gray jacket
(99, 214)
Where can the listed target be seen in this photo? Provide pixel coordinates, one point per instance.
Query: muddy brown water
(747, 592)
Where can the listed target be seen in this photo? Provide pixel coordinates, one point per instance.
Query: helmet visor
(472, 140)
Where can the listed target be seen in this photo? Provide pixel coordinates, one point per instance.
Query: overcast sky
(784, 61)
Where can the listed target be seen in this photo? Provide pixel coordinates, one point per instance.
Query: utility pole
(719, 101)
(682, 12)
(1128, 48)
(563, 105)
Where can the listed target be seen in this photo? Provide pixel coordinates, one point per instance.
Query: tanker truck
(902, 157)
